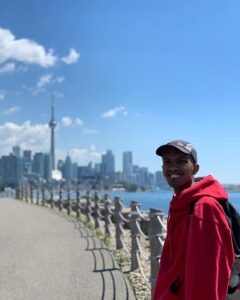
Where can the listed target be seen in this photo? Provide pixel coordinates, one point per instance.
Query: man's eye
(182, 161)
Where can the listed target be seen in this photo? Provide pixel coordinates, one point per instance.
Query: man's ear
(196, 168)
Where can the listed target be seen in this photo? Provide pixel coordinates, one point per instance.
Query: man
(198, 255)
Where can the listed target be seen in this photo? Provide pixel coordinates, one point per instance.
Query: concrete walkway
(47, 256)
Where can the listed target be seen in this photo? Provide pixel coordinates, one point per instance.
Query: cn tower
(52, 125)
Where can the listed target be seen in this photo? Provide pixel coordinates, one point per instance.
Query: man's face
(179, 169)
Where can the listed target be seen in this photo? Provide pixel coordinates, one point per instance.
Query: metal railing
(114, 219)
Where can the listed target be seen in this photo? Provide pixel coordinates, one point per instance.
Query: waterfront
(158, 199)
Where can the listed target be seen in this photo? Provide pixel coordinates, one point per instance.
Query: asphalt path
(46, 255)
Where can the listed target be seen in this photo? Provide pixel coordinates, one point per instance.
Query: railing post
(43, 196)
(60, 200)
(118, 223)
(135, 234)
(68, 200)
(17, 194)
(51, 196)
(22, 192)
(88, 209)
(107, 214)
(26, 193)
(31, 193)
(96, 213)
(37, 195)
(156, 236)
(78, 208)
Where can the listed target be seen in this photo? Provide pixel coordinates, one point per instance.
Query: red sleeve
(209, 253)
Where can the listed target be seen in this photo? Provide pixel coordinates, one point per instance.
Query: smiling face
(179, 169)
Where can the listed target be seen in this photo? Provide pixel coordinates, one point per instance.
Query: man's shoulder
(210, 207)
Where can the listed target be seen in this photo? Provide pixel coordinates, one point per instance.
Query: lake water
(159, 199)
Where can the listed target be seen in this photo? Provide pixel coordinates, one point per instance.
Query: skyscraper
(108, 164)
(68, 169)
(17, 151)
(11, 170)
(127, 165)
(27, 161)
(52, 125)
(38, 164)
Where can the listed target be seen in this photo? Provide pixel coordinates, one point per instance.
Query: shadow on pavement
(113, 279)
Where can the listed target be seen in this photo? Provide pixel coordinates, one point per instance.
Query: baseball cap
(181, 145)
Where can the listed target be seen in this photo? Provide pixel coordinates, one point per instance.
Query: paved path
(47, 256)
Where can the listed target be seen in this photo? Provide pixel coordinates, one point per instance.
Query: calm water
(159, 199)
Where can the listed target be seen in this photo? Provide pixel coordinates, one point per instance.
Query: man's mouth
(174, 176)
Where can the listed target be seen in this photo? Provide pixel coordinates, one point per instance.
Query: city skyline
(126, 76)
(23, 165)
(20, 152)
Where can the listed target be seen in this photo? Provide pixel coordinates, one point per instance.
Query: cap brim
(160, 150)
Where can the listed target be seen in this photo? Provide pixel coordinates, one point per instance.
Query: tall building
(108, 164)
(127, 166)
(46, 166)
(11, 170)
(27, 155)
(38, 164)
(52, 125)
(27, 161)
(160, 180)
(68, 169)
(17, 151)
(60, 165)
(142, 176)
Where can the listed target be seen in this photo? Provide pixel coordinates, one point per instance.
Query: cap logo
(189, 147)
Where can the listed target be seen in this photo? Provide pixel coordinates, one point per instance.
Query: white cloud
(37, 139)
(11, 67)
(78, 122)
(60, 79)
(2, 95)
(7, 68)
(113, 112)
(66, 121)
(84, 156)
(24, 50)
(43, 80)
(11, 110)
(72, 57)
(90, 131)
(32, 137)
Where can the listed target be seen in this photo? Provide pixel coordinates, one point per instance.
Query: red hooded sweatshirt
(197, 256)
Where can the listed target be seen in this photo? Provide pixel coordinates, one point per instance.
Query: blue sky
(126, 75)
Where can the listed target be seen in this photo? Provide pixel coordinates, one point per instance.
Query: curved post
(97, 213)
(37, 195)
(51, 195)
(107, 214)
(156, 235)
(26, 193)
(60, 200)
(118, 217)
(68, 200)
(88, 209)
(135, 234)
(31, 193)
(17, 193)
(43, 196)
(78, 197)
(22, 192)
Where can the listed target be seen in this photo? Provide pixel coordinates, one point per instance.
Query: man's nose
(173, 165)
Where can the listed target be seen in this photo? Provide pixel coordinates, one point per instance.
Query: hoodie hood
(207, 186)
(199, 241)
